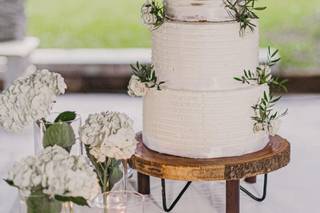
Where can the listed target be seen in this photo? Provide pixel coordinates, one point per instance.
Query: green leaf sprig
(243, 11)
(262, 75)
(264, 112)
(147, 75)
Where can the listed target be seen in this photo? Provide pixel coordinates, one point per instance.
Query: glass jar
(46, 131)
(117, 202)
(39, 202)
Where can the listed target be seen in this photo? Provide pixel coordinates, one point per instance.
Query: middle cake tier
(202, 124)
(203, 56)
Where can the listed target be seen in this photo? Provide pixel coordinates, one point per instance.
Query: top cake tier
(197, 10)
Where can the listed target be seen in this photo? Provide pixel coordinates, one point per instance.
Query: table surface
(292, 189)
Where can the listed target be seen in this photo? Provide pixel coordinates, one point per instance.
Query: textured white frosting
(197, 10)
(202, 124)
(203, 56)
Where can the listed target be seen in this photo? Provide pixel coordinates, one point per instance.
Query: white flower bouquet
(54, 177)
(109, 138)
(29, 98)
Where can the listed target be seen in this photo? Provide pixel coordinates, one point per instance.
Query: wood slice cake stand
(231, 169)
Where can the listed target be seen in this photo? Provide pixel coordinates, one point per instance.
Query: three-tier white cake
(202, 112)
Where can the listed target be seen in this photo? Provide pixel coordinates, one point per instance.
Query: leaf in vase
(60, 134)
(80, 201)
(115, 176)
(39, 202)
(65, 116)
(10, 182)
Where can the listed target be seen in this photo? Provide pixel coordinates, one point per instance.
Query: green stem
(125, 174)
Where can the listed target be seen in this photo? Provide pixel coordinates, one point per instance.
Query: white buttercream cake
(202, 112)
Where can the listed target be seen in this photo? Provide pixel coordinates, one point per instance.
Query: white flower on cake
(258, 127)
(109, 135)
(29, 98)
(274, 126)
(136, 87)
(152, 14)
(143, 78)
(56, 173)
(147, 16)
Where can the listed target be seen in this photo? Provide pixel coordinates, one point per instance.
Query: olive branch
(264, 112)
(243, 11)
(262, 75)
(147, 75)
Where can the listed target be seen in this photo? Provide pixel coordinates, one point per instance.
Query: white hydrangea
(109, 134)
(57, 173)
(29, 98)
(147, 16)
(274, 126)
(136, 87)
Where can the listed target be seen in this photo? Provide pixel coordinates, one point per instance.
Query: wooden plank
(274, 156)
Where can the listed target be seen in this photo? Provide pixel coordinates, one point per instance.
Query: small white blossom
(29, 98)
(109, 134)
(274, 127)
(57, 173)
(258, 127)
(147, 16)
(136, 87)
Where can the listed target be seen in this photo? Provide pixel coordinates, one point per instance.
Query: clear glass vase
(38, 202)
(63, 132)
(118, 202)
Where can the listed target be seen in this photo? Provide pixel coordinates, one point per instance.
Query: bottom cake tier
(202, 124)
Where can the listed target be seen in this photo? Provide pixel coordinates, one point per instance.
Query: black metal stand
(264, 194)
(168, 209)
(164, 196)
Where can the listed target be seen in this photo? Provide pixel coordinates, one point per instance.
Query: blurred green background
(290, 25)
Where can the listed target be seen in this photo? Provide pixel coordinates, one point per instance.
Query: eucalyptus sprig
(147, 75)
(243, 11)
(264, 112)
(263, 75)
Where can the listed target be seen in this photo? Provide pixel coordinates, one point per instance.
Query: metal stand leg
(164, 196)
(264, 194)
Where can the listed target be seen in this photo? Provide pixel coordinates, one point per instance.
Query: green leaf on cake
(243, 11)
